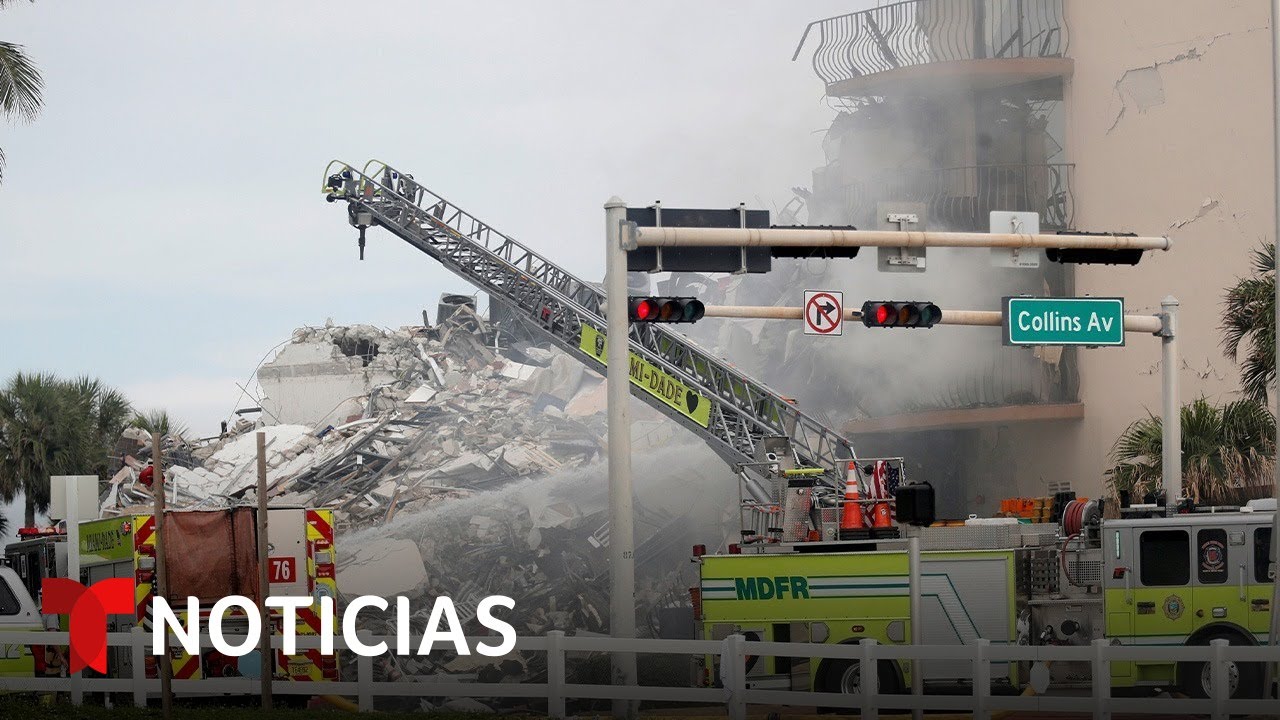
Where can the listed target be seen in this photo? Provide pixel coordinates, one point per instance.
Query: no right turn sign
(823, 312)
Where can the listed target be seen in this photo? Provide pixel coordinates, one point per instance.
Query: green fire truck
(1147, 578)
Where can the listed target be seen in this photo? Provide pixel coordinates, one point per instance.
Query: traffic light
(1094, 256)
(665, 309)
(888, 313)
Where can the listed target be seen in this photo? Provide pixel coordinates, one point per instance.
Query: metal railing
(918, 32)
(736, 692)
(961, 198)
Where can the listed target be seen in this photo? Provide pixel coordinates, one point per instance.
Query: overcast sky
(161, 222)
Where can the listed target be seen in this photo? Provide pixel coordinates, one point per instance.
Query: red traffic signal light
(888, 313)
(643, 309)
(665, 309)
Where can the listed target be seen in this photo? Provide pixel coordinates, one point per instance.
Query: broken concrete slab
(387, 568)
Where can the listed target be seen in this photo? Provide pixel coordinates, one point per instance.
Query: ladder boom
(743, 411)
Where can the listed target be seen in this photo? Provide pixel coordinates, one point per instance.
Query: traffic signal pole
(1162, 325)
(1145, 324)
(1171, 421)
(638, 237)
(622, 602)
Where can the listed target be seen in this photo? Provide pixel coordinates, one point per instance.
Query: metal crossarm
(743, 412)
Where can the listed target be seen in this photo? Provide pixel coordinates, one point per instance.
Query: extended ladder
(742, 419)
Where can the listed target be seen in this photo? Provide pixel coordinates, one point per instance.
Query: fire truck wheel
(845, 676)
(1244, 679)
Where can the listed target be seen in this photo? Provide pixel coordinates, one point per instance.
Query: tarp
(211, 554)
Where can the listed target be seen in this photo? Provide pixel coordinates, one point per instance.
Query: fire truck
(18, 613)
(801, 570)
(211, 554)
(1147, 578)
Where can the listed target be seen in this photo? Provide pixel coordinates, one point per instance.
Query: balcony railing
(918, 32)
(961, 198)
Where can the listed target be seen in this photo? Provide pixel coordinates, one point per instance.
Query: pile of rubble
(460, 461)
(374, 422)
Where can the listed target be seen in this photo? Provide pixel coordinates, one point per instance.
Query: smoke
(950, 161)
(544, 541)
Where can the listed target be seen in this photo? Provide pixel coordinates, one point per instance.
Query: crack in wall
(1209, 371)
(1143, 86)
(1206, 207)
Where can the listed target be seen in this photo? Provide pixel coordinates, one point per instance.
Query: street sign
(823, 312)
(1021, 223)
(1063, 321)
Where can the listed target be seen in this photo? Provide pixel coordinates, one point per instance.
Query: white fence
(735, 696)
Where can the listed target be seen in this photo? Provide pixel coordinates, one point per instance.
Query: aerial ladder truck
(759, 432)
(813, 567)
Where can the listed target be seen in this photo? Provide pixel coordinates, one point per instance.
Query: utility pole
(1273, 636)
(622, 602)
(162, 574)
(264, 579)
(1171, 423)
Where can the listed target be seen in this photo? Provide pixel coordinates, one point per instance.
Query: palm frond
(159, 421)
(1227, 451)
(1249, 321)
(20, 83)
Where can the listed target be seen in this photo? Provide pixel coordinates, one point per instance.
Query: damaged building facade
(1114, 117)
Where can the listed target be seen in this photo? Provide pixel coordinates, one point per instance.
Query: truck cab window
(1165, 557)
(9, 604)
(1263, 571)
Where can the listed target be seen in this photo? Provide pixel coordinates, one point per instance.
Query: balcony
(961, 198)
(928, 46)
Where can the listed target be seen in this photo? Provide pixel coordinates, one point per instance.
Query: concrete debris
(384, 568)
(374, 422)
(456, 467)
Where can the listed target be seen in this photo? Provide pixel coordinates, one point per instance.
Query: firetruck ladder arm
(743, 411)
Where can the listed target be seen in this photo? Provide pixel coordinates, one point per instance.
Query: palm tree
(1228, 452)
(107, 414)
(42, 428)
(1249, 317)
(20, 85)
(50, 426)
(159, 421)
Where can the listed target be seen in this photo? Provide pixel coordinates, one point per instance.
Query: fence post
(734, 661)
(555, 674)
(77, 690)
(364, 675)
(138, 662)
(869, 671)
(1219, 687)
(1101, 680)
(982, 680)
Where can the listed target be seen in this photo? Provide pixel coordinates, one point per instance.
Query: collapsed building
(460, 460)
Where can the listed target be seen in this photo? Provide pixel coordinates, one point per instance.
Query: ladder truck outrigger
(822, 555)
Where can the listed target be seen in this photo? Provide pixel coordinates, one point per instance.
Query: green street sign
(1063, 321)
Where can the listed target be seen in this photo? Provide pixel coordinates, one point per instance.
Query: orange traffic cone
(881, 515)
(851, 518)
